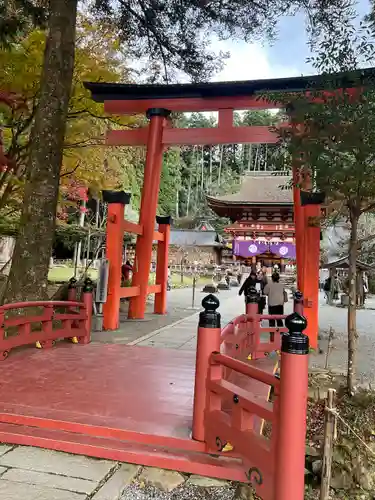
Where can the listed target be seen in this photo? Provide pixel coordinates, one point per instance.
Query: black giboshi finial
(88, 285)
(72, 282)
(210, 302)
(295, 342)
(252, 295)
(210, 318)
(295, 323)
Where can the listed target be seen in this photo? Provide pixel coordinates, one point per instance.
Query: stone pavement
(182, 334)
(35, 474)
(179, 307)
(336, 317)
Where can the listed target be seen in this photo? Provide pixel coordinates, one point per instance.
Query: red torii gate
(158, 102)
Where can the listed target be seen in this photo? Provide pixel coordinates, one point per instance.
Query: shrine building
(261, 213)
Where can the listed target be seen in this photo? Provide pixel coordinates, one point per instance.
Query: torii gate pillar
(149, 202)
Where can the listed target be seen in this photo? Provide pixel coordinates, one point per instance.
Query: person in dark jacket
(126, 269)
(251, 282)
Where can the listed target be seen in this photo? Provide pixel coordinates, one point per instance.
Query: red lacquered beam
(71, 315)
(189, 104)
(129, 291)
(158, 236)
(131, 227)
(244, 369)
(219, 135)
(196, 136)
(280, 329)
(246, 399)
(46, 303)
(236, 321)
(153, 289)
(272, 316)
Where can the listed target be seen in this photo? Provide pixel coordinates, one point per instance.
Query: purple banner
(249, 248)
(284, 250)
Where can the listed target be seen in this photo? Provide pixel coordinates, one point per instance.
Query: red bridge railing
(243, 337)
(227, 410)
(44, 322)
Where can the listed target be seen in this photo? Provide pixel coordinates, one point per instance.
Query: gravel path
(336, 317)
(140, 492)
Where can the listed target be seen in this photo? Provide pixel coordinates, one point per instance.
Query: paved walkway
(28, 473)
(179, 307)
(336, 317)
(182, 335)
(177, 330)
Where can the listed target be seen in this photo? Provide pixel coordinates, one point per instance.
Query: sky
(286, 57)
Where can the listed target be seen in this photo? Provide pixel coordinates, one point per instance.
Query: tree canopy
(85, 161)
(168, 38)
(332, 139)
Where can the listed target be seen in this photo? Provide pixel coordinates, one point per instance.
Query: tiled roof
(259, 188)
(191, 237)
(343, 263)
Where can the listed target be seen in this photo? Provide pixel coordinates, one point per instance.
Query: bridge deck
(126, 403)
(132, 388)
(111, 401)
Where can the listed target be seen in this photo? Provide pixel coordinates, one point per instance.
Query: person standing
(169, 279)
(277, 296)
(126, 270)
(252, 282)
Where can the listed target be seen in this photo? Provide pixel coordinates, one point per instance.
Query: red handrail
(244, 369)
(45, 303)
(273, 316)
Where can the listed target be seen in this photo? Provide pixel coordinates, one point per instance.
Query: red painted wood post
(87, 299)
(149, 203)
(252, 300)
(72, 290)
(160, 306)
(292, 409)
(298, 222)
(208, 341)
(298, 303)
(114, 245)
(311, 271)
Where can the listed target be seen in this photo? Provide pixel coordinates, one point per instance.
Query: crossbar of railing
(244, 369)
(45, 303)
(271, 329)
(271, 316)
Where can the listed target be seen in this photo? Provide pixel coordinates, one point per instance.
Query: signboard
(102, 283)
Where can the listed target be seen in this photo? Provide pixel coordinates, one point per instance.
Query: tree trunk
(209, 189)
(221, 147)
(189, 192)
(30, 264)
(352, 307)
(177, 203)
(196, 179)
(78, 246)
(202, 170)
(250, 157)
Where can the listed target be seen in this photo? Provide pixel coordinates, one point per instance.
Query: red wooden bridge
(201, 414)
